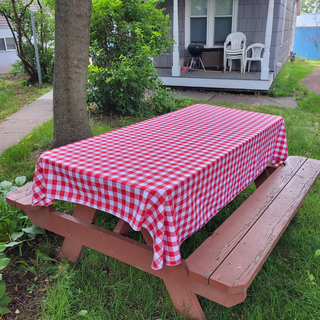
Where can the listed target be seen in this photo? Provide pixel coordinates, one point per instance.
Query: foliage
(312, 34)
(4, 300)
(124, 36)
(14, 224)
(310, 6)
(18, 16)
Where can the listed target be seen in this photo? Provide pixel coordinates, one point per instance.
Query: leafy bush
(125, 35)
(14, 224)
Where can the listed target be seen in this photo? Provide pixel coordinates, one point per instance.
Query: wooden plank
(206, 259)
(238, 270)
(21, 197)
(71, 249)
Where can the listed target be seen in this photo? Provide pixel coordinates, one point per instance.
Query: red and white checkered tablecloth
(170, 174)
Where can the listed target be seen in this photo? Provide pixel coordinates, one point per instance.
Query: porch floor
(216, 80)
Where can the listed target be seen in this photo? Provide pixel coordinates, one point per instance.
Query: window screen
(198, 30)
(222, 28)
(2, 45)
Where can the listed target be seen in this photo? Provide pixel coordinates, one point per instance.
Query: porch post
(267, 43)
(175, 56)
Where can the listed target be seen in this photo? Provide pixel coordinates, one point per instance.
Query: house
(307, 36)
(8, 52)
(270, 22)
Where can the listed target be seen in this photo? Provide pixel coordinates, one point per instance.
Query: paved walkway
(21, 123)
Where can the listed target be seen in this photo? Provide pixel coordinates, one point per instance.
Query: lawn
(99, 287)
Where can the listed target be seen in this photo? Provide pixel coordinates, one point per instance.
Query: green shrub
(125, 35)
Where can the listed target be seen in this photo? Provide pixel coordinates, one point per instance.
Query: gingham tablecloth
(170, 174)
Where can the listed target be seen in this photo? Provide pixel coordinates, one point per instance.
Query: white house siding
(3, 23)
(6, 57)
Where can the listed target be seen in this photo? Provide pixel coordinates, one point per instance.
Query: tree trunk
(72, 39)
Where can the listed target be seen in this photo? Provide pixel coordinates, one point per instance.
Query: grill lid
(195, 49)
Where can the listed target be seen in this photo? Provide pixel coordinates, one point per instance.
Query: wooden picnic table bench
(223, 266)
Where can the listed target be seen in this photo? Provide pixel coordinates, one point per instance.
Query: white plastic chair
(234, 48)
(256, 54)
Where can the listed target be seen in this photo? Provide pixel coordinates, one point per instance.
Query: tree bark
(72, 39)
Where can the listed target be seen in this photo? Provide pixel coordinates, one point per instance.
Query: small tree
(125, 35)
(310, 6)
(312, 34)
(17, 15)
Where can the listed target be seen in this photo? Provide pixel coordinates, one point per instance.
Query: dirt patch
(26, 283)
(312, 82)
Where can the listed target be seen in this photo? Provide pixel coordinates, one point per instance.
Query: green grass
(15, 95)
(99, 287)
(288, 82)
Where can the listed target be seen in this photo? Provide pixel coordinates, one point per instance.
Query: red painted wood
(185, 301)
(21, 197)
(122, 228)
(207, 258)
(146, 236)
(238, 270)
(73, 250)
(264, 176)
(127, 250)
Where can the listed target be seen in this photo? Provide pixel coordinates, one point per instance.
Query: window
(7, 44)
(210, 21)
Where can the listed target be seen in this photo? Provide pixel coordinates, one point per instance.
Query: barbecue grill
(195, 50)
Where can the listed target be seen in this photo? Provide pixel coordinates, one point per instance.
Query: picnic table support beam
(122, 228)
(264, 176)
(185, 301)
(73, 250)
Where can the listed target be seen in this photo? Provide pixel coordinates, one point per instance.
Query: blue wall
(304, 48)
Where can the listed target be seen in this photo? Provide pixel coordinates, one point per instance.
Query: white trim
(175, 55)
(267, 42)
(219, 83)
(210, 22)
(5, 45)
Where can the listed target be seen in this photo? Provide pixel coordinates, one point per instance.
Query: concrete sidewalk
(21, 123)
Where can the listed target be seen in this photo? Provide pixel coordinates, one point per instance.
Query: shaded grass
(288, 82)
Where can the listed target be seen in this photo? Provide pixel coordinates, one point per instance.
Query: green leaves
(3, 263)
(33, 231)
(3, 299)
(20, 181)
(124, 36)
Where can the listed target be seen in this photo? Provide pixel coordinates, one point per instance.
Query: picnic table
(167, 177)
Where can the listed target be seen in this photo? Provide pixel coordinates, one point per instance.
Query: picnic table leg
(185, 301)
(264, 176)
(122, 228)
(73, 250)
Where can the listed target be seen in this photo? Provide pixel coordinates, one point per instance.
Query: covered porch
(261, 80)
(216, 79)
